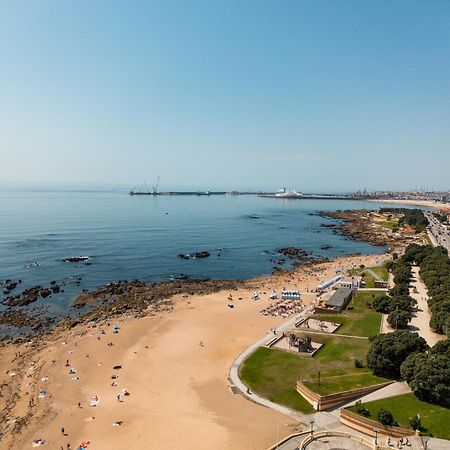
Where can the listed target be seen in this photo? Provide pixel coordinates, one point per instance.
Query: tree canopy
(388, 351)
(428, 376)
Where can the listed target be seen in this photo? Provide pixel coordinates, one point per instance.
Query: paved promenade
(421, 319)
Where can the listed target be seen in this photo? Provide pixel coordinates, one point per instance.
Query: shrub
(415, 423)
(362, 410)
(359, 364)
(385, 417)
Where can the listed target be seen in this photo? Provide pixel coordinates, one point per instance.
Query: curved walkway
(234, 370)
(321, 418)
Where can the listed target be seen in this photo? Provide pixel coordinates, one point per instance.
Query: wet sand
(174, 366)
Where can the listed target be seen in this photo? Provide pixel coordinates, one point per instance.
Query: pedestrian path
(421, 318)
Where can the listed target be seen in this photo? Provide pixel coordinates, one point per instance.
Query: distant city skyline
(316, 96)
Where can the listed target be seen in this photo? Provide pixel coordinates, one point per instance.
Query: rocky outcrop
(31, 295)
(10, 285)
(356, 225)
(21, 319)
(293, 252)
(203, 254)
(137, 297)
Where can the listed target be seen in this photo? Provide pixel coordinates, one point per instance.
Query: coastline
(425, 203)
(174, 383)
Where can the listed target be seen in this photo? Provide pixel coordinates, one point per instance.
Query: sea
(140, 237)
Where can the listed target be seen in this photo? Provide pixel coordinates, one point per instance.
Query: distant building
(407, 231)
(349, 283)
(338, 301)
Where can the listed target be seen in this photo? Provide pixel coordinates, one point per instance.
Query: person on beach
(62, 431)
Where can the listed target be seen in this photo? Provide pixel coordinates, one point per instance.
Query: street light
(312, 426)
(376, 431)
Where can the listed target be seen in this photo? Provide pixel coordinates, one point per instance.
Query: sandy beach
(428, 204)
(158, 382)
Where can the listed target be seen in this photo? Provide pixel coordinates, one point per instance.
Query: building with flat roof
(339, 300)
(350, 282)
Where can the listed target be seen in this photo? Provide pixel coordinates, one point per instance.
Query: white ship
(284, 193)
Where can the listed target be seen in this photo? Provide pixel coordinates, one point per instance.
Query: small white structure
(290, 295)
(349, 282)
(328, 283)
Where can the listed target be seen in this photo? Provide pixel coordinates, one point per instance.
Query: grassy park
(340, 383)
(274, 373)
(358, 319)
(381, 271)
(435, 419)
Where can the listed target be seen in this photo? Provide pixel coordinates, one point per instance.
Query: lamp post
(312, 426)
(376, 431)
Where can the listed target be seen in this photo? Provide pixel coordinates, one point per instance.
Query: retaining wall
(366, 425)
(331, 400)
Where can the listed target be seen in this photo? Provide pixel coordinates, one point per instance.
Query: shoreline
(177, 383)
(425, 203)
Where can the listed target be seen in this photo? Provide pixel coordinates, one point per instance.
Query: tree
(385, 417)
(440, 316)
(388, 351)
(441, 348)
(408, 368)
(382, 303)
(399, 319)
(428, 376)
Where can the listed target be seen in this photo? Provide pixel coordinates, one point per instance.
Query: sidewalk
(421, 319)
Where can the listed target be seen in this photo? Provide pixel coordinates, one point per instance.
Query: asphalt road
(439, 231)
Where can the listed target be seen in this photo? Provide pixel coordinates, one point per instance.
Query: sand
(427, 203)
(174, 367)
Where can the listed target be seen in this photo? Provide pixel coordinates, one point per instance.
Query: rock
(293, 252)
(44, 293)
(76, 259)
(55, 289)
(203, 254)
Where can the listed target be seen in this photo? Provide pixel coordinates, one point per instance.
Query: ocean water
(140, 237)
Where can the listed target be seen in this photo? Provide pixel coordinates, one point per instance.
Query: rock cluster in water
(10, 285)
(32, 294)
(203, 254)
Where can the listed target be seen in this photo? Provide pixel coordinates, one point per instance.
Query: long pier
(259, 194)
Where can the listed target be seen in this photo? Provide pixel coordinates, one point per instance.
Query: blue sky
(318, 96)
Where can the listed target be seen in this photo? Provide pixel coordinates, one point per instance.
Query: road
(439, 231)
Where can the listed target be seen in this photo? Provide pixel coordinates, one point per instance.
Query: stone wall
(366, 425)
(331, 400)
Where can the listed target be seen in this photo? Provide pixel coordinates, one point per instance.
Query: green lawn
(381, 271)
(358, 319)
(274, 374)
(331, 385)
(390, 224)
(435, 419)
